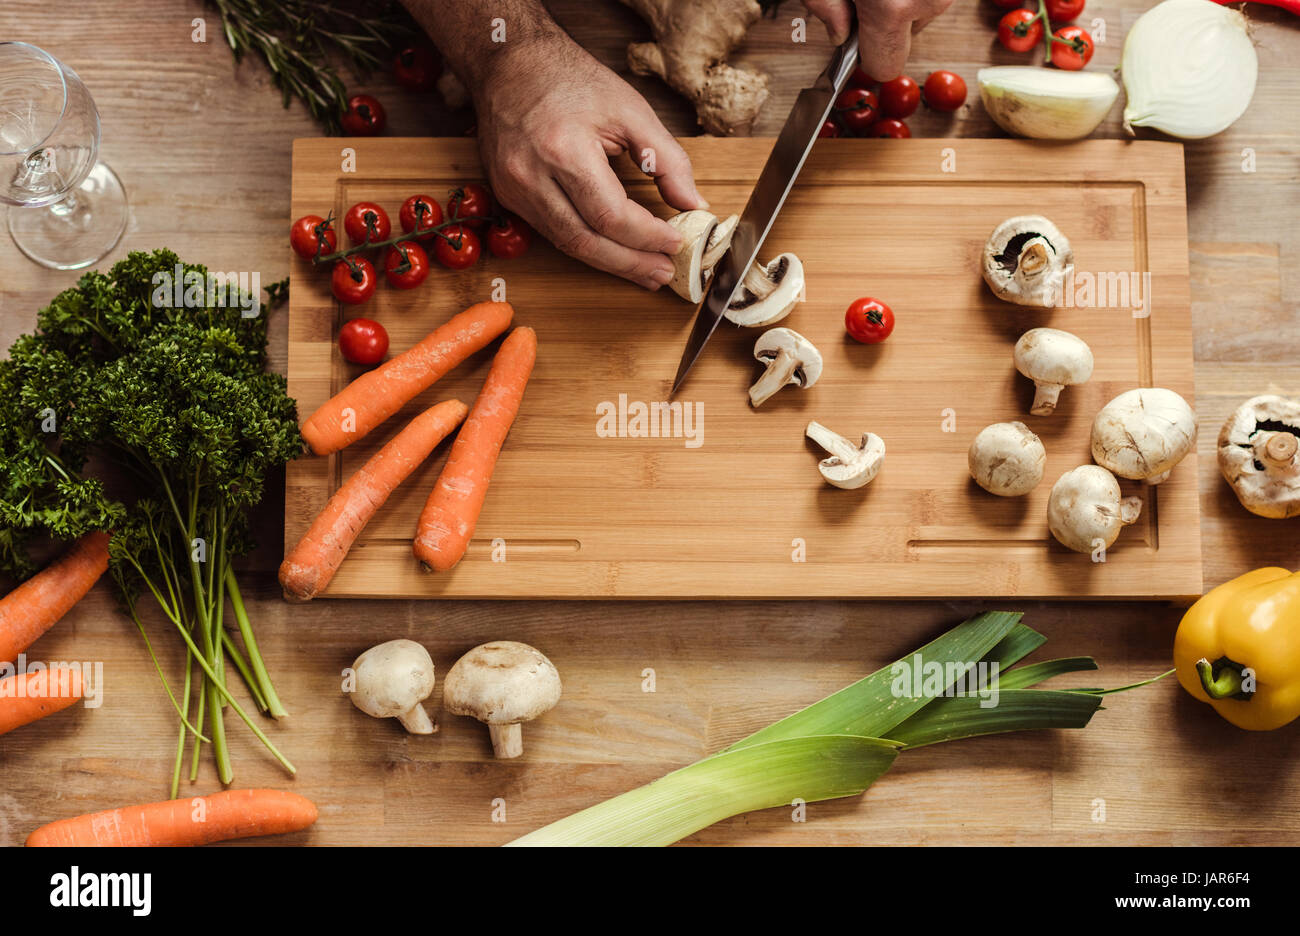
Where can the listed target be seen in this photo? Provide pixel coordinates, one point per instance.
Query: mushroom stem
(1278, 451)
(1034, 258)
(832, 442)
(1130, 508)
(778, 374)
(507, 740)
(1045, 397)
(417, 721)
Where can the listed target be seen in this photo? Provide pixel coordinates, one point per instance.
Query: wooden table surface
(203, 148)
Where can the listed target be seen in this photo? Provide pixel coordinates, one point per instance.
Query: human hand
(885, 29)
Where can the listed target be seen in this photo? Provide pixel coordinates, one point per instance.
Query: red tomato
(471, 203)
(363, 341)
(945, 91)
(899, 98)
(312, 236)
(1075, 52)
(406, 265)
(509, 238)
(366, 221)
(891, 128)
(860, 79)
(857, 108)
(353, 280)
(457, 247)
(417, 67)
(429, 211)
(1020, 30)
(869, 320)
(1062, 11)
(364, 116)
(829, 130)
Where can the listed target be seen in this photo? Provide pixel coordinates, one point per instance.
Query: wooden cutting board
(739, 509)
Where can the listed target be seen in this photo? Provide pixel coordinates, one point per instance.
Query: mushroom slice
(790, 359)
(502, 684)
(849, 466)
(704, 241)
(769, 293)
(1142, 434)
(719, 241)
(1086, 510)
(1259, 455)
(392, 679)
(1053, 360)
(1007, 459)
(1027, 261)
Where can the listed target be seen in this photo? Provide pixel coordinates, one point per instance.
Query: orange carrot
(451, 512)
(378, 394)
(28, 697)
(37, 604)
(318, 555)
(230, 814)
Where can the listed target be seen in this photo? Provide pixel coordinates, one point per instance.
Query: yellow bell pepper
(1238, 648)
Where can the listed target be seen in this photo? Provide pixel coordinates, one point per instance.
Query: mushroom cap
(770, 293)
(1007, 459)
(1253, 456)
(775, 340)
(392, 678)
(1050, 355)
(1086, 506)
(501, 683)
(688, 263)
(1026, 260)
(1142, 434)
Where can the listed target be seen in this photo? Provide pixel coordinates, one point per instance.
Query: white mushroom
(1259, 455)
(1085, 511)
(1142, 434)
(1053, 360)
(392, 679)
(849, 466)
(769, 293)
(502, 684)
(790, 359)
(1027, 260)
(704, 241)
(1007, 459)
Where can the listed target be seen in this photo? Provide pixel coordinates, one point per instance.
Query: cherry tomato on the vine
(1020, 30)
(891, 128)
(945, 91)
(457, 247)
(406, 265)
(417, 67)
(428, 210)
(860, 79)
(1076, 50)
(829, 130)
(363, 341)
(470, 203)
(312, 236)
(1062, 11)
(857, 108)
(899, 98)
(353, 280)
(509, 238)
(367, 221)
(364, 117)
(869, 320)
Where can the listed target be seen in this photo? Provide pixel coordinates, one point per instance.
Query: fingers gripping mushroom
(849, 466)
(392, 679)
(790, 359)
(1142, 434)
(1053, 360)
(1027, 261)
(1086, 510)
(1007, 459)
(1259, 455)
(502, 684)
(769, 293)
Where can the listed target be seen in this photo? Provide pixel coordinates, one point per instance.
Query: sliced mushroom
(1142, 434)
(769, 293)
(849, 466)
(1053, 360)
(1027, 261)
(689, 272)
(1007, 459)
(790, 359)
(1259, 455)
(1086, 510)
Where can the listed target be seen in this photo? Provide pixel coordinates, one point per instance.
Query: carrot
(230, 814)
(312, 563)
(451, 512)
(378, 394)
(37, 604)
(28, 697)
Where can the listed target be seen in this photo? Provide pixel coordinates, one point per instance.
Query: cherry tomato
(860, 79)
(857, 108)
(471, 203)
(353, 280)
(367, 221)
(1020, 30)
(509, 238)
(364, 116)
(1062, 11)
(417, 68)
(945, 91)
(829, 130)
(1077, 53)
(363, 341)
(406, 265)
(869, 320)
(891, 128)
(457, 248)
(428, 210)
(899, 98)
(312, 236)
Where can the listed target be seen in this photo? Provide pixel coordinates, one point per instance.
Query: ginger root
(692, 42)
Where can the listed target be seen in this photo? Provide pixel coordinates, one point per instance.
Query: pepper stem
(1227, 685)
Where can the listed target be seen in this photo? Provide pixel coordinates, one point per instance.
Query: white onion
(1189, 69)
(1045, 103)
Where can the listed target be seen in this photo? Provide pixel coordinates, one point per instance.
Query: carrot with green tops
(375, 395)
(312, 563)
(198, 820)
(451, 512)
(29, 697)
(38, 603)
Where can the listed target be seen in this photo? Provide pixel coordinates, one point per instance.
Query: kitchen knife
(810, 111)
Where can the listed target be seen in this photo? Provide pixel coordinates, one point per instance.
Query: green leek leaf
(952, 718)
(1022, 677)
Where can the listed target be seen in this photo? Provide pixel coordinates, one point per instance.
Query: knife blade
(791, 149)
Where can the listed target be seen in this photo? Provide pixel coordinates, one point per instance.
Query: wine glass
(69, 210)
